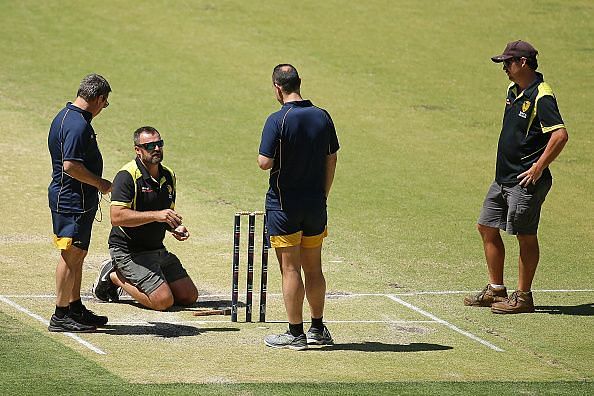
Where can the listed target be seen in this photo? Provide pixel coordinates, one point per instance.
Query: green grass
(51, 368)
(418, 106)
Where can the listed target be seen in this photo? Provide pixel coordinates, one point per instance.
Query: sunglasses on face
(508, 62)
(151, 145)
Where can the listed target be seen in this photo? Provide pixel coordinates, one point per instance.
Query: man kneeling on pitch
(142, 209)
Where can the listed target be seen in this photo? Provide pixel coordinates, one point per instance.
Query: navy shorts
(73, 229)
(306, 228)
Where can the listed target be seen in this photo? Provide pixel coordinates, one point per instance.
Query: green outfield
(417, 105)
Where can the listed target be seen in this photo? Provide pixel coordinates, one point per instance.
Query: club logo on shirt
(507, 101)
(525, 107)
(145, 189)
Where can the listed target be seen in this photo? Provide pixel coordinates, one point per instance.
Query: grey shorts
(148, 270)
(515, 209)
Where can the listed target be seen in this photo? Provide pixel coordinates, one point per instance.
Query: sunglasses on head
(151, 145)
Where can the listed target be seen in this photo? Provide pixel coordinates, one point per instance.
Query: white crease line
(441, 292)
(447, 324)
(45, 322)
(332, 296)
(181, 322)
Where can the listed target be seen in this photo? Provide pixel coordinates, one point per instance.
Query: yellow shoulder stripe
(544, 89)
(133, 170)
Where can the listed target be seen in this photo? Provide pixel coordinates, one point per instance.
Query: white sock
(497, 287)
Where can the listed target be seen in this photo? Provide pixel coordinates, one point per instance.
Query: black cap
(516, 49)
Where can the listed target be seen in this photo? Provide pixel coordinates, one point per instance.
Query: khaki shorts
(515, 209)
(148, 270)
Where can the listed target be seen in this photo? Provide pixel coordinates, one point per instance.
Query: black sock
(296, 329)
(76, 306)
(60, 312)
(317, 323)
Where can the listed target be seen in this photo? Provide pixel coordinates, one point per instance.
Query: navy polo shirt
(299, 137)
(72, 138)
(529, 118)
(134, 188)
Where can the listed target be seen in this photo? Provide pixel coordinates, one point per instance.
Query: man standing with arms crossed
(299, 146)
(532, 136)
(73, 199)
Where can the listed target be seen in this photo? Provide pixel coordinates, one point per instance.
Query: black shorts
(73, 229)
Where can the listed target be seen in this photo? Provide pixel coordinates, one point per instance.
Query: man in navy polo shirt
(299, 146)
(532, 136)
(73, 199)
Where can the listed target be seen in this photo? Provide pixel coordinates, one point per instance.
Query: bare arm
(78, 171)
(126, 217)
(330, 169)
(265, 163)
(553, 149)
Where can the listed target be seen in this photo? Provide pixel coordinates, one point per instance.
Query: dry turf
(417, 104)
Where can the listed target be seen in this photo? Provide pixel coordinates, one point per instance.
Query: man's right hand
(104, 186)
(170, 217)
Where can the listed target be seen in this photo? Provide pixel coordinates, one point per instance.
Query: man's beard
(153, 159)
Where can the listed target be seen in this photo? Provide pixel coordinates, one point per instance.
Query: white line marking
(331, 296)
(447, 324)
(441, 292)
(152, 322)
(45, 322)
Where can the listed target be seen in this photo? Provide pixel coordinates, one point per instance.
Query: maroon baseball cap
(516, 49)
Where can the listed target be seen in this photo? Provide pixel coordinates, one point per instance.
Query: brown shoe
(486, 297)
(518, 302)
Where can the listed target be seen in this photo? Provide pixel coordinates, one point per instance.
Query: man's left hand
(530, 176)
(181, 233)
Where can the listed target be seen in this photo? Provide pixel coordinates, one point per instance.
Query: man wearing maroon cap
(532, 136)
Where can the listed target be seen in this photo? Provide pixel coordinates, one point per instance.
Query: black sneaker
(88, 317)
(68, 324)
(103, 289)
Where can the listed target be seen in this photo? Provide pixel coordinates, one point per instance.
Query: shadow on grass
(577, 310)
(382, 347)
(215, 304)
(159, 329)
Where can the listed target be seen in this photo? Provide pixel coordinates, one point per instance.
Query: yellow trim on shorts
(315, 240)
(281, 241)
(62, 243)
(297, 239)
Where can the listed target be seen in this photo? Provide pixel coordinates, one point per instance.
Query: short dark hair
(93, 86)
(147, 129)
(286, 76)
(532, 62)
